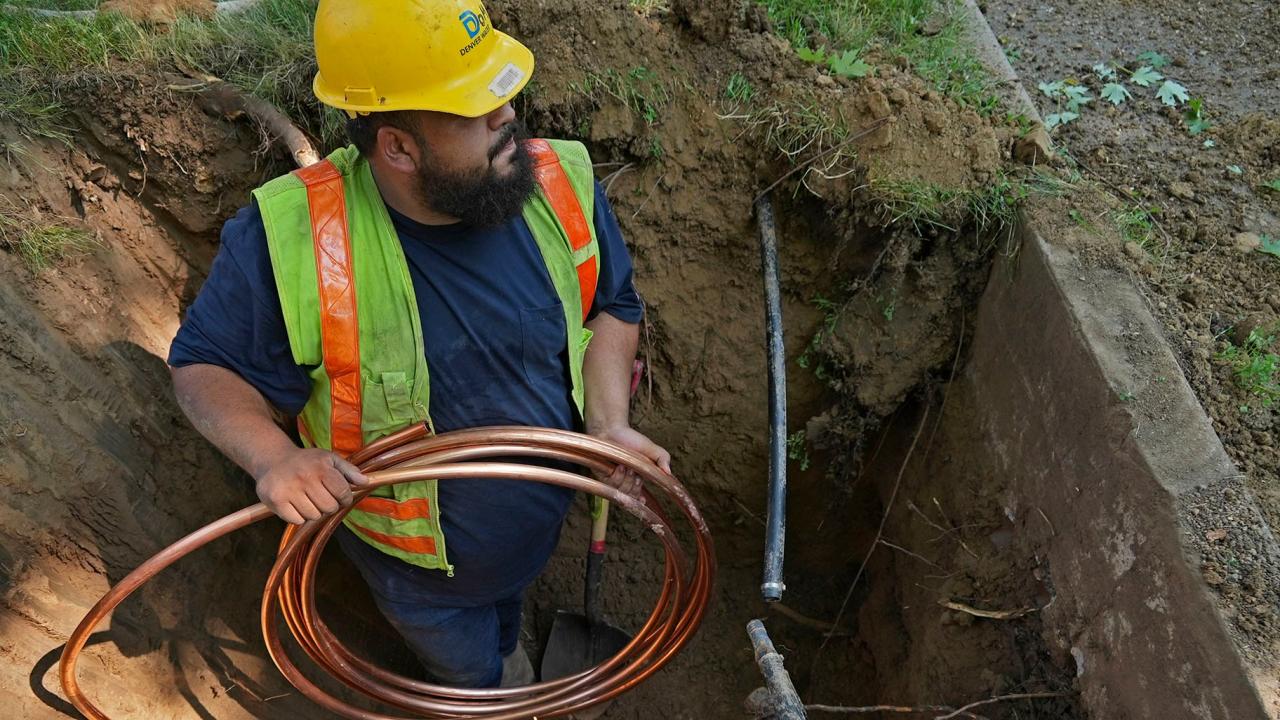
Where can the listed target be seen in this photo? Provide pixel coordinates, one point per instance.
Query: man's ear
(398, 149)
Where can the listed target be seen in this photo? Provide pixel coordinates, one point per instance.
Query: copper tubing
(413, 454)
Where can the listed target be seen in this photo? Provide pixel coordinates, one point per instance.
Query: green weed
(42, 244)
(1269, 245)
(889, 307)
(798, 449)
(943, 58)
(739, 89)
(1081, 221)
(656, 150)
(924, 204)
(26, 104)
(1255, 366)
(804, 127)
(1137, 224)
(265, 51)
(830, 316)
(640, 89)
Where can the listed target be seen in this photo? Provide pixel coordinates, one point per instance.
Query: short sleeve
(236, 322)
(615, 290)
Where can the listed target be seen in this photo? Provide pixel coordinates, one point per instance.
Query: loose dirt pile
(886, 245)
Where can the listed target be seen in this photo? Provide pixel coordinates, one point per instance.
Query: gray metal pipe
(776, 520)
(783, 701)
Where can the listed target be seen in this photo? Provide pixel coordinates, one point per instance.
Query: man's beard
(481, 197)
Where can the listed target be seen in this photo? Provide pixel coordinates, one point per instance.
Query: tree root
(221, 98)
(947, 713)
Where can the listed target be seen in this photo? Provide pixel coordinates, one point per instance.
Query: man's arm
(606, 372)
(296, 484)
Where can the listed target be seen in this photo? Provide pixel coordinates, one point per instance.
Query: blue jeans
(459, 646)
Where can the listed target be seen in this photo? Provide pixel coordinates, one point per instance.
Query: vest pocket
(387, 404)
(542, 341)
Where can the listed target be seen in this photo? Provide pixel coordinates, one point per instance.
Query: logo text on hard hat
(477, 27)
(471, 23)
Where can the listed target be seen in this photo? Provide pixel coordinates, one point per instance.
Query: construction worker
(441, 269)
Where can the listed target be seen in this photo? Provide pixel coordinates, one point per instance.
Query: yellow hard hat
(444, 55)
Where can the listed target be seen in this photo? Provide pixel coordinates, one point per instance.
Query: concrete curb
(1131, 490)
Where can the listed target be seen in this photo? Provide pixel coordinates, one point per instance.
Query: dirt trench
(101, 470)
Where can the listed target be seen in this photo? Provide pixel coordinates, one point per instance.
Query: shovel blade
(575, 645)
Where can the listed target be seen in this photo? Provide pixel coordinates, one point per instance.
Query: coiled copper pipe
(413, 454)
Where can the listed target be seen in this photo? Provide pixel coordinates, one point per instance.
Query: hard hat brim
(488, 86)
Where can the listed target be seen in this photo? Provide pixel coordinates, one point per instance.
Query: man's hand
(628, 437)
(307, 484)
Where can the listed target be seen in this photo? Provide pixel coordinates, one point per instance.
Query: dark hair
(362, 130)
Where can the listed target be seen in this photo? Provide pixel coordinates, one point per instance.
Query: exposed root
(988, 614)
(802, 619)
(221, 98)
(948, 712)
(870, 128)
(844, 605)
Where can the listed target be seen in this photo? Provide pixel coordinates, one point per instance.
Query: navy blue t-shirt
(495, 342)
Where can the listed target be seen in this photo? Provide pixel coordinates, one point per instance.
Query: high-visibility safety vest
(351, 315)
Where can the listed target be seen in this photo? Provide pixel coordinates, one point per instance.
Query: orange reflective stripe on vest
(340, 328)
(408, 510)
(564, 203)
(419, 544)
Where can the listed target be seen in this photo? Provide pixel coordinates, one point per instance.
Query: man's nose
(501, 116)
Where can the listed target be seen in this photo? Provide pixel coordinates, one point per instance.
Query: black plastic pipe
(784, 702)
(776, 520)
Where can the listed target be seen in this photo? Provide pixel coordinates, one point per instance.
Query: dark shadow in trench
(169, 471)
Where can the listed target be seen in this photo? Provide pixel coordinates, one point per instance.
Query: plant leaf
(1104, 71)
(1053, 89)
(1235, 170)
(1078, 101)
(1115, 93)
(1054, 120)
(849, 65)
(812, 56)
(1171, 93)
(1145, 75)
(1273, 185)
(1209, 143)
(1154, 59)
(1269, 245)
(1194, 116)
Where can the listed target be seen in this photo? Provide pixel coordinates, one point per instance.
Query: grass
(1255, 366)
(1137, 224)
(923, 204)
(42, 244)
(807, 126)
(802, 126)
(649, 7)
(943, 58)
(265, 51)
(740, 90)
(639, 88)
